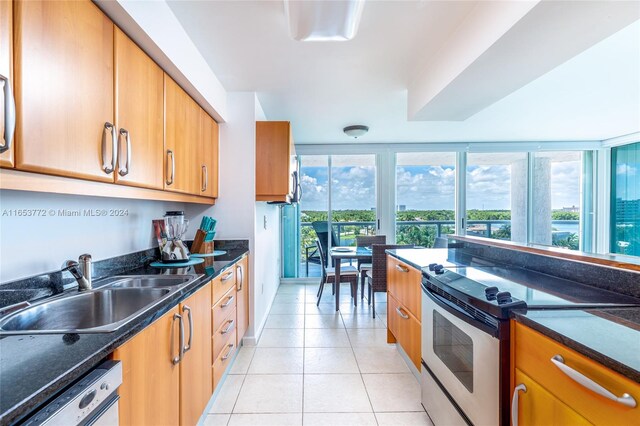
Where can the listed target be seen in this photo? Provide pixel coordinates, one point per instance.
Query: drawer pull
(514, 403)
(588, 383)
(228, 354)
(229, 327)
(402, 268)
(228, 276)
(402, 314)
(229, 300)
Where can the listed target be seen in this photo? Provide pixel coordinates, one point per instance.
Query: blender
(175, 226)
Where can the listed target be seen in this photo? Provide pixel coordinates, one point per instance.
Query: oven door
(464, 359)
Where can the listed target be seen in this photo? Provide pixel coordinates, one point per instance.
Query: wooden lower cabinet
(536, 406)
(532, 353)
(222, 361)
(403, 281)
(242, 290)
(405, 328)
(150, 392)
(195, 374)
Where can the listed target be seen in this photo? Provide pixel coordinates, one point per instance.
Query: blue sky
(431, 187)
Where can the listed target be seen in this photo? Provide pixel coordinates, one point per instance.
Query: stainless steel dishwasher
(92, 400)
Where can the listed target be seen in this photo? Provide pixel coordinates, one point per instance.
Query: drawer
(403, 282)
(223, 283)
(222, 334)
(223, 360)
(223, 308)
(533, 353)
(405, 328)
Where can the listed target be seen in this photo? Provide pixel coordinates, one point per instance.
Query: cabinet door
(64, 88)
(403, 281)
(139, 115)
(209, 156)
(242, 289)
(273, 160)
(195, 368)
(150, 381)
(6, 71)
(536, 406)
(182, 140)
(405, 328)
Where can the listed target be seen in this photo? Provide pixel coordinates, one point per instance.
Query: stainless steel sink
(113, 304)
(146, 281)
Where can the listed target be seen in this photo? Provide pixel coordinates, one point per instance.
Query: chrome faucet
(82, 277)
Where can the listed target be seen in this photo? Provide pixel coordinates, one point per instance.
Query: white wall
(33, 245)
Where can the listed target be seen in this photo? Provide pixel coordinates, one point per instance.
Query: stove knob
(432, 266)
(503, 297)
(491, 292)
(439, 269)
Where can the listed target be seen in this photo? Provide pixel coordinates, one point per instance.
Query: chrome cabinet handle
(514, 403)
(9, 114)
(402, 314)
(229, 300)
(402, 268)
(173, 167)
(205, 178)
(228, 276)
(178, 358)
(187, 309)
(228, 354)
(229, 327)
(240, 279)
(590, 384)
(106, 167)
(123, 171)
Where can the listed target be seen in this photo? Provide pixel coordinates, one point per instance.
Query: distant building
(572, 209)
(402, 208)
(627, 210)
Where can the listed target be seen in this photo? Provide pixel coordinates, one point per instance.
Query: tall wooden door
(6, 82)
(182, 140)
(209, 156)
(195, 367)
(64, 89)
(149, 394)
(139, 115)
(242, 289)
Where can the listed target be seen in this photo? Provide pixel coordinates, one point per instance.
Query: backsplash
(614, 279)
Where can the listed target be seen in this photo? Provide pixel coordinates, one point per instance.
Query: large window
(625, 199)
(497, 195)
(556, 195)
(425, 197)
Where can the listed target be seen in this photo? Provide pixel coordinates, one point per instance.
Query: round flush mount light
(356, 131)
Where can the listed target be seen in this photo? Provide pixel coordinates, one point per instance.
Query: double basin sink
(111, 304)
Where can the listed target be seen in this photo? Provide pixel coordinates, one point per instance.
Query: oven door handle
(459, 313)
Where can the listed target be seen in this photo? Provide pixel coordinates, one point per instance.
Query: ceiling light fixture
(322, 20)
(356, 131)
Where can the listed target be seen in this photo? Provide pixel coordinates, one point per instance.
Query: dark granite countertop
(610, 336)
(34, 368)
(421, 257)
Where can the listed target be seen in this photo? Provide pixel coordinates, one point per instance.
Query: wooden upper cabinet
(182, 140)
(209, 156)
(139, 115)
(275, 161)
(64, 88)
(149, 394)
(6, 81)
(196, 378)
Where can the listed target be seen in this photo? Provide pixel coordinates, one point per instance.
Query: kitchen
(264, 149)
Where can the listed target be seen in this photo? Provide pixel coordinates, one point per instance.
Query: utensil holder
(198, 242)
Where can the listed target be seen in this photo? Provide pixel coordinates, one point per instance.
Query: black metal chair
(363, 267)
(322, 232)
(347, 274)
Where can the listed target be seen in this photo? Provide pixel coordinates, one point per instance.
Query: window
(425, 197)
(556, 195)
(496, 195)
(625, 199)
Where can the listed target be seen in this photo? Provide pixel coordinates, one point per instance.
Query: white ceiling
(323, 86)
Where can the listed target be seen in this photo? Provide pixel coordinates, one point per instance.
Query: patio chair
(347, 274)
(322, 232)
(377, 277)
(363, 266)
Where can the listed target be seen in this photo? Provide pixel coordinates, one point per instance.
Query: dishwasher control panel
(83, 400)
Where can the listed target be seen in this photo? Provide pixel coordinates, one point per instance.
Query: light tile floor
(316, 366)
